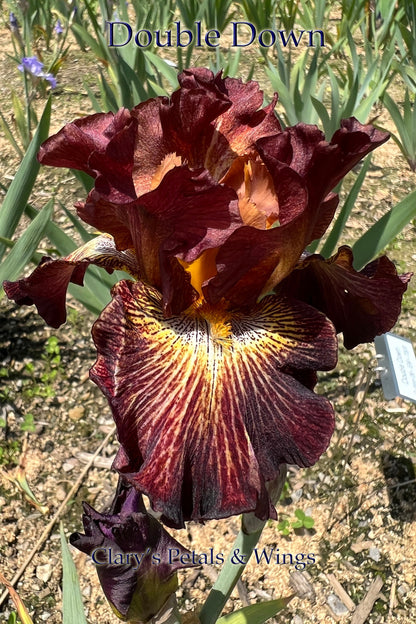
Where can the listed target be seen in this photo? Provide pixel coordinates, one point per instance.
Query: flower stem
(168, 614)
(28, 111)
(246, 541)
(229, 575)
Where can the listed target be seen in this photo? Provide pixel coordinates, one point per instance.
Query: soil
(361, 494)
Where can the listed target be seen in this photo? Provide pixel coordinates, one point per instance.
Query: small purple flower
(14, 24)
(58, 28)
(51, 79)
(32, 65)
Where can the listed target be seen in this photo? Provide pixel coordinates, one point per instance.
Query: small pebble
(296, 495)
(44, 572)
(76, 413)
(45, 592)
(403, 589)
(60, 493)
(86, 591)
(336, 605)
(374, 554)
(70, 464)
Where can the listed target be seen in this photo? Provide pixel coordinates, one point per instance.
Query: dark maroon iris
(209, 357)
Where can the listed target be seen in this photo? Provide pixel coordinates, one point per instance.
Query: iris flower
(34, 66)
(208, 357)
(58, 28)
(136, 559)
(14, 24)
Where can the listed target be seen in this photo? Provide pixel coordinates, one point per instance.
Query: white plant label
(397, 365)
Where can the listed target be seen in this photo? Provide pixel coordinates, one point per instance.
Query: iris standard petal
(103, 142)
(240, 126)
(321, 164)
(304, 168)
(208, 397)
(187, 118)
(46, 287)
(206, 123)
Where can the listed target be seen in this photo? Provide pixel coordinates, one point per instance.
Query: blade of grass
(164, 68)
(257, 613)
(94, 101)
(86, 180)
(108, 95)
(16, 198)
(25, 247)
(9, 136)
(21, 609)
(72, 605)
(384, 231)
(61, 241)
(345, 212)
(20, 119)
(86, 297)
(85, 235)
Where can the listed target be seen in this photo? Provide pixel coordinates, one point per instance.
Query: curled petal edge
(46, 287)
(361, 304)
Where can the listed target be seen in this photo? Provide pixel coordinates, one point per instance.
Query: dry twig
(363, 610)
(57, 515)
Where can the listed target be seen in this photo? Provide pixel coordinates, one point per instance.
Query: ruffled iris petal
(186, 214)
(304, 168)
(239, 127)
(207, 122)
(208, 397)
(46, 287)
(73, 145)
(361, 304)
(191, 109)
(102, 145)
(319, 163)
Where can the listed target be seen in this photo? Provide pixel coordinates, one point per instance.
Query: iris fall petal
(361, 304)
(206, 397)
(46, 287)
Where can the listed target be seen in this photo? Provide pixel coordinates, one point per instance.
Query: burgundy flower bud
(136, 559)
